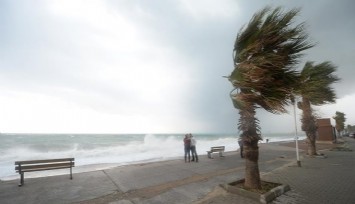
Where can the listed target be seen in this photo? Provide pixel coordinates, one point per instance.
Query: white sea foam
(97, 152)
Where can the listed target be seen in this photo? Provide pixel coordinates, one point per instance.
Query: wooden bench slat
(217, 150)
(43, 169)
(43, 166)
(43, 161)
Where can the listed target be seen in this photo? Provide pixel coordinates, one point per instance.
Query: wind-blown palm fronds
(316, 81)
(265, 52)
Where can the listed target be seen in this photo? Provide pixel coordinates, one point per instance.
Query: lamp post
(296, 137)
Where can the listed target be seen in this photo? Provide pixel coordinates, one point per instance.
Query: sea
(101, 151)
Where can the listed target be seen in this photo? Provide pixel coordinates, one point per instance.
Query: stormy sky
(129, 66)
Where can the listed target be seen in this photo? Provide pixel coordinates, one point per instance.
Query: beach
(174, 181)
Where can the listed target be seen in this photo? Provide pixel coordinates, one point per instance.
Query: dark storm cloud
(208, 43)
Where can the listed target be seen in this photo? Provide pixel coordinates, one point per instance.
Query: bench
(219, 149)
(40, 165)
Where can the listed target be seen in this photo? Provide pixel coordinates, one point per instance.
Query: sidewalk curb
(262, 198)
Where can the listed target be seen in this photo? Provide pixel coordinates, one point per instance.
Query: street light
(296, 137)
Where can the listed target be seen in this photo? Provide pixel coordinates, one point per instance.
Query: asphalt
(318, 180)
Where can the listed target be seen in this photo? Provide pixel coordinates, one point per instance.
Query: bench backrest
(218, 148)
(47, 164)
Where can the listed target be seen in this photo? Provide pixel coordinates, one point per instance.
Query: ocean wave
(111, 149)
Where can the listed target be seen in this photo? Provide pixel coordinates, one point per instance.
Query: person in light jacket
(193, 148)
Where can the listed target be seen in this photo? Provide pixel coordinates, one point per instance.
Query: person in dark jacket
(187, 148)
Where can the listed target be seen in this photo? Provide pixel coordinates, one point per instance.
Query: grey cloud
(205, 43)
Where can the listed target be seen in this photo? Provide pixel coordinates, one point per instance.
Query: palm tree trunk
(309, 126)
(311, 145)
(252, 174)
(250, 138)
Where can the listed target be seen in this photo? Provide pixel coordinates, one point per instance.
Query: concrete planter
(262, 198)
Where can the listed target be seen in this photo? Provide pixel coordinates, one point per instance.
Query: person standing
(187, 144)
(193, 148)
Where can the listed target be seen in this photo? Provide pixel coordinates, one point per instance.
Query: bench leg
(21, 180)
(221, 154)
(71, 173)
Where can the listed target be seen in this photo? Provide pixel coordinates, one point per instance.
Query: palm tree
(339, 121)
(315, 89)
(350, 128)
(265, 53)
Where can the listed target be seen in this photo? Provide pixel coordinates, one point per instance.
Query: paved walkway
(319, 180)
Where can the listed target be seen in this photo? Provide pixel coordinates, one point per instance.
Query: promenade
(319, 180)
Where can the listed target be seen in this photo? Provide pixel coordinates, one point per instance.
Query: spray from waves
(107, 149)
(91, 151)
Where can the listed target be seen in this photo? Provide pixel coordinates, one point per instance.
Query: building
(326, 132)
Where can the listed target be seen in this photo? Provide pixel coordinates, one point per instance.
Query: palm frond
(265, 54)
(316, 81)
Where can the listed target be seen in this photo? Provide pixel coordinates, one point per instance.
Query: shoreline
(105, 166)
(173, 181)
